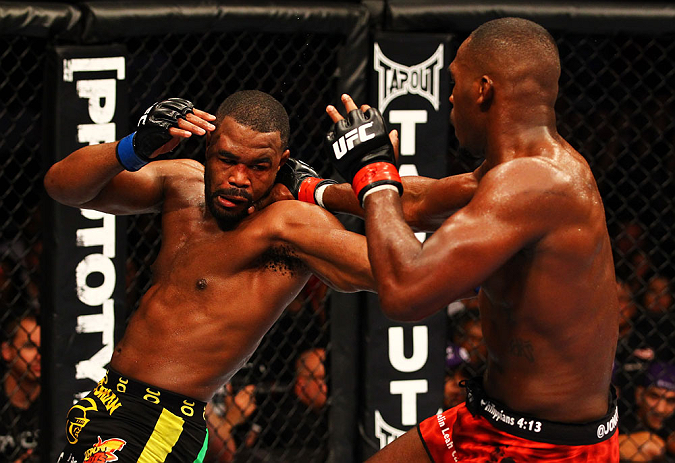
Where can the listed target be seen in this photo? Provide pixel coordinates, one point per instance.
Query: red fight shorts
(483, 430)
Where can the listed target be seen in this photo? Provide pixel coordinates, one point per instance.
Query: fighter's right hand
(159, 131)
(302, 181)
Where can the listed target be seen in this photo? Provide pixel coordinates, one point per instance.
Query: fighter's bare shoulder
(174, 169)
(288, 217)
(177, 171)
(528, 178)
(533, 191)
(181, 180)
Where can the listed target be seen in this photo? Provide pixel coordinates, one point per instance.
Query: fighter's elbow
(52, 186)
(57, 191)
(351, 284)
(398, 306)
(399, 312)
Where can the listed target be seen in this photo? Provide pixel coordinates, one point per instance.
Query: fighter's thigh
(408, 449)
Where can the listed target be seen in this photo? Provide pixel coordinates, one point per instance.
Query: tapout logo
(408, 389)
(395, 79)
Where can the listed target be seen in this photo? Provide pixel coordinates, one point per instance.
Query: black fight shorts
(129, 421)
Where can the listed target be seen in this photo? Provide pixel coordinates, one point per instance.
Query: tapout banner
(83, 306)
(404, 362)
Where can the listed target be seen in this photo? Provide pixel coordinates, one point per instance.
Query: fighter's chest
(195, 250)
(193, 247)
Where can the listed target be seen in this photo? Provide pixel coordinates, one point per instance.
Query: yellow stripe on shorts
(163, 438)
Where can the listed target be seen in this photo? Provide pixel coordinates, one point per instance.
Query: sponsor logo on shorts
(77, 419)
(104, 450)
(609, 427)
(107, 398)
(395, 79)
(447, 436)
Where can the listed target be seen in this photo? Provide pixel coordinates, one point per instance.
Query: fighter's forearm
(392, 252)
(82, 175)
(426, 202)
(341, 198)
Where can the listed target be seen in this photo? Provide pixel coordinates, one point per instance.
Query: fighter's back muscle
(548, 312)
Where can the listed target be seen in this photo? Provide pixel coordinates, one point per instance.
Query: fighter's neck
(516, 141)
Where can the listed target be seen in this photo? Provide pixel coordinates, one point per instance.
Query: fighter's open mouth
(231, 201)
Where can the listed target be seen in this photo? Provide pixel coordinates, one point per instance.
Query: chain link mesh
(21, 60)
(616, 105)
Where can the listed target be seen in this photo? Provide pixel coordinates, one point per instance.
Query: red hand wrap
(307, 188)
(374, 172)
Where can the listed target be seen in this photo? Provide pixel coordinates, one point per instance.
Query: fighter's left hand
(350, 105)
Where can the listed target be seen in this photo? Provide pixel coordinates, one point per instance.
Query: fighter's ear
(284, 157)
(485, 91)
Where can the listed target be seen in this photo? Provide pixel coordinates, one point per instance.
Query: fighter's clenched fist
(361, 151)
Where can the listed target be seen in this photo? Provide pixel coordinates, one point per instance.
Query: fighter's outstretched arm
(337, 256)
(94, 176)
(426, 202)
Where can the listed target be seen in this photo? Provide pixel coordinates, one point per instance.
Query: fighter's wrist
(376, 189)
(312, 189)
(320, 190)
(374, 175)
(127, 156)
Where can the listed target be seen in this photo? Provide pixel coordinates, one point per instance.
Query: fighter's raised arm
(108, 176)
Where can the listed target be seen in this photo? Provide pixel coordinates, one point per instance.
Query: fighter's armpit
(281, 259)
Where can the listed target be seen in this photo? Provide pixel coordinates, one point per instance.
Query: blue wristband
(127, 156)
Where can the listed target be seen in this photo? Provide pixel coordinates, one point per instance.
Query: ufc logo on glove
(363, 154)
(346, 142)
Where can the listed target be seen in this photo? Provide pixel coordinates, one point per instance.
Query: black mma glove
(360, 149)
(302, 181)
(133, 151)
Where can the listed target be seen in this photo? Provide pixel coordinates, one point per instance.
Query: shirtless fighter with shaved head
(533, 237)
